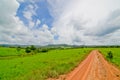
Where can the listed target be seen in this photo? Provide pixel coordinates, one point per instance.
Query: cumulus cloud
(79, 22)
(85, 21)
(9, 23)
(28, 13)
(13, 31)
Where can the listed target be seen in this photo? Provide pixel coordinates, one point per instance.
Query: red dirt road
(94, 67)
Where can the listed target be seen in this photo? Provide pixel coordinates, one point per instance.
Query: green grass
(40, 66)
(116, 55)
(9, 52)
(45, 65)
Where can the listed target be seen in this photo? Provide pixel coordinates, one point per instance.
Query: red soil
(94, 67)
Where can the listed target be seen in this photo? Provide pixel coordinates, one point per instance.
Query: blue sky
(75, 22)
(42, 13)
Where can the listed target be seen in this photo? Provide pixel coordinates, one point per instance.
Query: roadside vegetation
(112, 55)
(109, 55)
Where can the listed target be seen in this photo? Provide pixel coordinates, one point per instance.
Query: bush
(27, 50)
(44, 50)
(110, 55)
(32, 47)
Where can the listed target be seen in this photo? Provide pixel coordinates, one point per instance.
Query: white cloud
(20, 0)
(28, 13)
(13, 31)
(38, 22)
(89, 22)
(76, 18)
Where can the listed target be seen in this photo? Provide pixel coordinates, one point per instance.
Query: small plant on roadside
(110, 55)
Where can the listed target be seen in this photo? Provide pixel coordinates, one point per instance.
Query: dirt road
(94, 67)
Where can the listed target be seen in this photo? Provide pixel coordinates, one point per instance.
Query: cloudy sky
(75, 22)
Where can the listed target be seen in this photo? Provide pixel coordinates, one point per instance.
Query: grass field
(44, 65)
(9, 52)
(116, 54)
(39, 66)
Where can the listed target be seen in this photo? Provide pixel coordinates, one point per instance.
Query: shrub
(110, 55)
(44, 50)
(32, 47)
(27, 50)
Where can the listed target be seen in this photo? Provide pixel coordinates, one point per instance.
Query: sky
(74, 22)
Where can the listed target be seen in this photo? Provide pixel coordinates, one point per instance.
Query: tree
(32, 47)
(27, 50)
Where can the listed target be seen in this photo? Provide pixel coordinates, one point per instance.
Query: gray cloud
(110, 25)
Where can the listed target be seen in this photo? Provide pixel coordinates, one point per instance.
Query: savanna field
(59, 39)
(19, 65)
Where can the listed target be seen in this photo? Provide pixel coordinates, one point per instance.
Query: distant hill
(58, 46)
